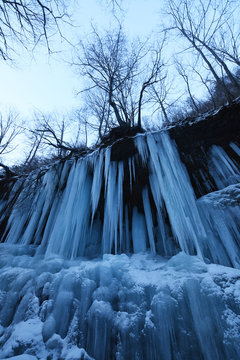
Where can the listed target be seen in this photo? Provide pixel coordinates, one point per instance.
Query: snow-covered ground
(132, 307)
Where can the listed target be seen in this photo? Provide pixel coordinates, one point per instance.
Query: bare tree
(227, 45)
(153, 76)
(119, 75)
(54, 136)
(9, 131)
(206, 81)
(109, 67)
(183, 73)
(200, 23)
(159, 99)
(97, 115)
(24, 21)
(162, 95)
(35, 145)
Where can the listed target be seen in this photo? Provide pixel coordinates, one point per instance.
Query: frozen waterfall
(105, 259)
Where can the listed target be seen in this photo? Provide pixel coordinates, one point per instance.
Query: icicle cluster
(81, 208)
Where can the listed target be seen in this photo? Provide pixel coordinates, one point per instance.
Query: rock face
(131, 252)
(217, 128)
(195, 137)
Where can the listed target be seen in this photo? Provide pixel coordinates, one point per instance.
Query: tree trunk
(118, 117)
(139, 122)
(164, 112)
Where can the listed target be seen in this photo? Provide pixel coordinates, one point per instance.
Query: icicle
(64, 173)
(106, 164)
(140, 143)
(31, 208)
(130, 173)
(163, 241)
(148, 218)
(235, 148)
(171, 178)
(221, 215)
(69, 233)
(110, 224)
(120, 203)
(127, 232)
(113, 211)
(222, 168)
(139, 235)
(133, 168)
(97, 182)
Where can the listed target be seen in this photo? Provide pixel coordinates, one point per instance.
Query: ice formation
(104, 259)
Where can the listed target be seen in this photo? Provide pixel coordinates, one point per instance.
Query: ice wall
(94, 206)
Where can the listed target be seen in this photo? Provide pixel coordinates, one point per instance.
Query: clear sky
(47, 83)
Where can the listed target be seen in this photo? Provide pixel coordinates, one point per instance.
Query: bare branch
(26, 22)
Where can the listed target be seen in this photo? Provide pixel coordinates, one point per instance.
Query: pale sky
(47, 83)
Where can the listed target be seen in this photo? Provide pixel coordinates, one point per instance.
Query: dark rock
(194, 137)
(213, 129)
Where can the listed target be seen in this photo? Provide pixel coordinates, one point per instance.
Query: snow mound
(137, 307)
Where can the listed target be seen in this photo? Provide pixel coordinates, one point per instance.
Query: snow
(119, 302)
(229, 196)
